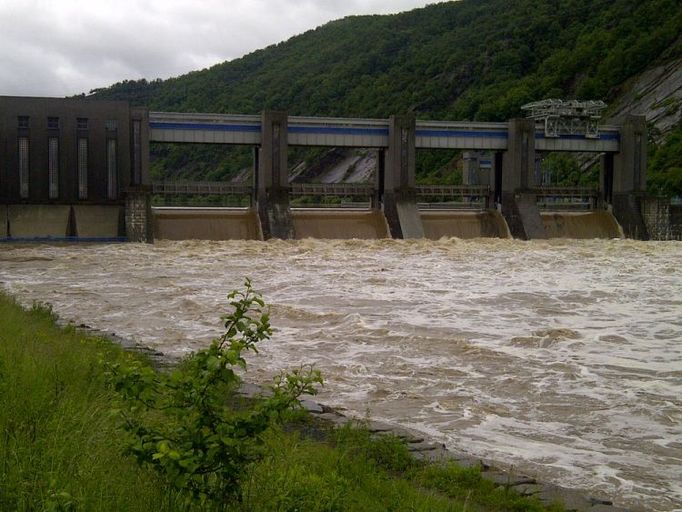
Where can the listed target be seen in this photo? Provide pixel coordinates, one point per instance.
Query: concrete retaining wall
(581, 225)
(206, 224)
(343, 224)
(38, 221)
(658, 214)
(97, 221)
(439, 224)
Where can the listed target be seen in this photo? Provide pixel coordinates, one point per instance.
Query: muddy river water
(561, 358)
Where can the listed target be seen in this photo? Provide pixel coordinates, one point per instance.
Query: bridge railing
(202, 193)
(336, 195)
(455, 197)
(201, 188)
(331, 189)
(567, 198)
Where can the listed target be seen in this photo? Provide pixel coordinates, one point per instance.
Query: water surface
(561, 358)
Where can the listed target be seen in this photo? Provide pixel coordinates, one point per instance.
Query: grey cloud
(66, 47)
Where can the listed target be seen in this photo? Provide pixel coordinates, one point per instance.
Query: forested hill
(472, 59)
(465, 60)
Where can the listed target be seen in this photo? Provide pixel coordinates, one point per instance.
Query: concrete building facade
(66, 166)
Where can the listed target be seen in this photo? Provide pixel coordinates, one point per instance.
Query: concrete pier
(139, 224)
(272, 179)
(519, 205)
(628, 177)
(399, 182)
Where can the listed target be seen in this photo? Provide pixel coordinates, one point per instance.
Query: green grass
(61, 448)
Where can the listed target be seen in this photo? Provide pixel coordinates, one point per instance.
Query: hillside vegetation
(465, 60)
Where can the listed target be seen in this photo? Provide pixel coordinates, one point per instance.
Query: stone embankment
(427, 450)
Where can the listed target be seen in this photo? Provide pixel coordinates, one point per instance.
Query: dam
(78, 170)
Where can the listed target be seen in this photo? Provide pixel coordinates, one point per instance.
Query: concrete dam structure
(76, 169)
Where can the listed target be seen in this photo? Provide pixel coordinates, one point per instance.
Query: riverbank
(62, 448)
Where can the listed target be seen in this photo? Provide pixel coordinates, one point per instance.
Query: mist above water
(562, 358)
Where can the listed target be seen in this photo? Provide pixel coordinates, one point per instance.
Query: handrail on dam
(200, 188)
(566, 191)
(331, 189)
(453, 190)
(566, 198)
(453, 196)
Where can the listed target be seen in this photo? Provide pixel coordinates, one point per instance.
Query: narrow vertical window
(137, 152)
(23, 122)
(112, 181)
(82, 168)
(53, 166)
(23, 167)
(53, 123)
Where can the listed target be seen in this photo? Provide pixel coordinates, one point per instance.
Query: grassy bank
(62, 449)
(59, 445)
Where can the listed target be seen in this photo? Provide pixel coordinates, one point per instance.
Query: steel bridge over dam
(363, 133)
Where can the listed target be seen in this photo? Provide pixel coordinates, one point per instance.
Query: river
(561, 358)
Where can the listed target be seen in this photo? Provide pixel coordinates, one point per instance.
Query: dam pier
(78, 169)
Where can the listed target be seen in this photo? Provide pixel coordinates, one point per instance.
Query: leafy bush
(181, 423)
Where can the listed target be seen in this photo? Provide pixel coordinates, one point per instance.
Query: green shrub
(181, 423)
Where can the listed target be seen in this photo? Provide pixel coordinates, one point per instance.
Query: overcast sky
(65, 47)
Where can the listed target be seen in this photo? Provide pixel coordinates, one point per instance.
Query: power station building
(67, 166)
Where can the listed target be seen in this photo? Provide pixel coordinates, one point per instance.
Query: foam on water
(562, 358)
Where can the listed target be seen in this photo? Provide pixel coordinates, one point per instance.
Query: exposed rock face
(655, 94)
(338, 165)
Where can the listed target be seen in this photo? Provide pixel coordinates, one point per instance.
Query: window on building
(23, 122)
(111, 125)
(23, 167)
(112, 170)
(82, 123)
(52, 123)
(82, 168)
(137, 152)
(53, 166)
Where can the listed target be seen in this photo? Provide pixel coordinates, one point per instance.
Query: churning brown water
(562, 358)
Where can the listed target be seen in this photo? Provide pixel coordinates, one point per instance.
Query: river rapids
(561, 358)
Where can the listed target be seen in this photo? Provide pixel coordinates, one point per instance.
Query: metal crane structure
(567, 117)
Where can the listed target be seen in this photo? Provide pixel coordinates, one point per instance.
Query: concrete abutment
(624, 177)
(516, 179)
(138, 215)
(399, 180)
(272, 178)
